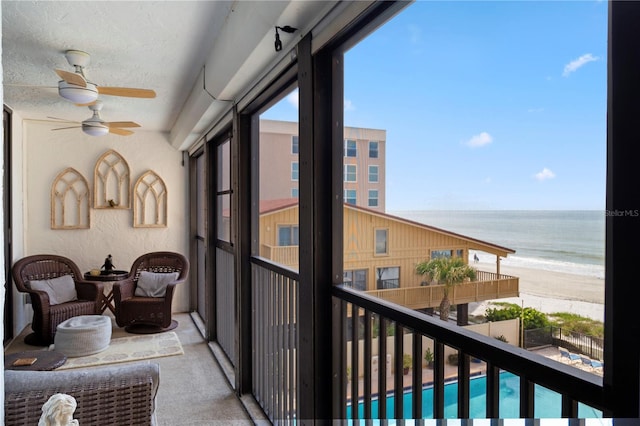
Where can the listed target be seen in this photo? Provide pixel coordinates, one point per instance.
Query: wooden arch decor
(111, 182)
(70, 201)
(150, 202)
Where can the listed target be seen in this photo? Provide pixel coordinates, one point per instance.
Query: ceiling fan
(75, 87)
(95, 126)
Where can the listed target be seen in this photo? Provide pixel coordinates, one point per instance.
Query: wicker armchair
(47, 316)
(144, 314)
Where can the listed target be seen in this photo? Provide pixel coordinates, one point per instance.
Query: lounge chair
(586, 361)
(570, 356)
(597, 364)
(591, 362)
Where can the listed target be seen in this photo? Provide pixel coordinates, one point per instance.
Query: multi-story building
(364, 163)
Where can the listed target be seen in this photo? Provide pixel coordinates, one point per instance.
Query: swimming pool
(547, 402)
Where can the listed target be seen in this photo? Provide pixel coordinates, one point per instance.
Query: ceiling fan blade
(127, 91)
(65, 120)
(65, 128)
(72, 78)
(121, 132)
(122, 124)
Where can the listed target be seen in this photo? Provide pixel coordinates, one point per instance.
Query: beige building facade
(364, 164)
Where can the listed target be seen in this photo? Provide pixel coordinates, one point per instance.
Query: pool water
(547, 402)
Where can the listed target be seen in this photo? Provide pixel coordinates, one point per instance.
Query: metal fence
(590, 346)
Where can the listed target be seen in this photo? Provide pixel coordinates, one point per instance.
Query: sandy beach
(549, 291)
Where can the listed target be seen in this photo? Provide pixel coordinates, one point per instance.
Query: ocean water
(569, 241)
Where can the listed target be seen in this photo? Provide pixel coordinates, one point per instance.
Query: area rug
(130, 348)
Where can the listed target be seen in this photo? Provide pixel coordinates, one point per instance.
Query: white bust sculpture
(58, 411)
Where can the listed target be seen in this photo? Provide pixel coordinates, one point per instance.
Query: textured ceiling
(153, 45)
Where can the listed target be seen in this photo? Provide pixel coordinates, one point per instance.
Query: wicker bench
(115, 395)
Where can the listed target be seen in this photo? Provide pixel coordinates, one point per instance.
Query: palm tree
(447, 271)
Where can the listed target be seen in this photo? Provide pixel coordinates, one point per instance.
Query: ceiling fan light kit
(95, 129)
(78, 94)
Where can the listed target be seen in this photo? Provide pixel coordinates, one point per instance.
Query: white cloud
(348, 105)
(544, 174)
(482, 139)
(577, 63)
(292, 98)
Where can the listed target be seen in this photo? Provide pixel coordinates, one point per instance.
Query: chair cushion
(60, 290)
(154, 284)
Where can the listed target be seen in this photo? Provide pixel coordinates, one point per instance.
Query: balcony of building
(487, 286)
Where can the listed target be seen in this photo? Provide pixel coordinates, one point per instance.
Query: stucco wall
(47, 153)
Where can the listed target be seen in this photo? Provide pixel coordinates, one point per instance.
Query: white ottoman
(83, 335)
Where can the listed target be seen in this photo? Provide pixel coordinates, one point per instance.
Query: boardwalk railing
(488, 286)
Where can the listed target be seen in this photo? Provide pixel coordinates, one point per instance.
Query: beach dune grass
(535, 319)
(577, 323)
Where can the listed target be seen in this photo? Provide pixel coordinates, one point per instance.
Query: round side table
(108, 278)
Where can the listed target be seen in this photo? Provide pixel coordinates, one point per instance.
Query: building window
(349, 172)
(287, 235)
(356, 279)
(459, 253)
(436, 254)
(373, 174)
(294, 145)
(373, 149)
(294, 192)
(381, 241)
(350, 148)
(294, 171)
(373, 198)
(388, 277)
(350, 196)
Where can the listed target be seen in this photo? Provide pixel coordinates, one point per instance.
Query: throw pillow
(154, 284)
(60, 290)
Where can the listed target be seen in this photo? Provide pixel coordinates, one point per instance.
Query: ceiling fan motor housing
(77, 58)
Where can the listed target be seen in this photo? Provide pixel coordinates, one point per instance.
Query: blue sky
(487, 105)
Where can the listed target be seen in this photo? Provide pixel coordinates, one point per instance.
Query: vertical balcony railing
(375, 328)
(225, 305)
(275, 340)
